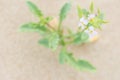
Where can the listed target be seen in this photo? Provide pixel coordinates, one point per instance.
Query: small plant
(53, 34)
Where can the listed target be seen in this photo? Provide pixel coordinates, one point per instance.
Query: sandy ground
(21, 58)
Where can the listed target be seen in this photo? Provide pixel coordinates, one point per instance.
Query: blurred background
(21, 58)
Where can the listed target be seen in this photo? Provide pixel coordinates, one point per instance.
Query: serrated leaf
(30, 27)
(64, 11)
(86, 66)
(79, 11)
(81, 65)
(54, 40)
(33, 27)
(91, 7)
(44, 42)
(34, 9)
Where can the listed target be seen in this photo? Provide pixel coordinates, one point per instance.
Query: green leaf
(44, 42)
(98, 21)
(84, 36)
(54, 40)
(34, 9)
(29, 27)
(71, 60)
(65, 56)
(79, 11)
(91, 7)
(33, 27)
(77, 38)
(81, 38)
(50, 41)
(86, 66)
(64, 11)
(81, 65)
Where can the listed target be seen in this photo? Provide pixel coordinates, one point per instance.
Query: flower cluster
(83, 25)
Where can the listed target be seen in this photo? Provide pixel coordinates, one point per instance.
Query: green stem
(59, 26)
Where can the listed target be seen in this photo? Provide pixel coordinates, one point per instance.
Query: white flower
(93, 35)
(82, 27)
(91, 28)
(82, 23)
(91, 16)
